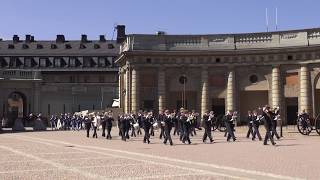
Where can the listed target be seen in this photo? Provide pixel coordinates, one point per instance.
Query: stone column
(204, 91)
(134, 90)
(276, 87)
(36, 98)
(127, 90)
(305, 89)
(161, 89)
(231, 96)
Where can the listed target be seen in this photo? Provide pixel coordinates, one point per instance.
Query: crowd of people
(183, 123)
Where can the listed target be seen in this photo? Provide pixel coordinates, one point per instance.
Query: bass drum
(155, 126)
(136, 126)
(317, 126)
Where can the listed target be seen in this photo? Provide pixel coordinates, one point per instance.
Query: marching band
(183, 122)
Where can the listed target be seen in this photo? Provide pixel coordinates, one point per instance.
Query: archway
(16, 107)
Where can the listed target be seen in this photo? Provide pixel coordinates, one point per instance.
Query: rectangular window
(28, 62)
(72, 62)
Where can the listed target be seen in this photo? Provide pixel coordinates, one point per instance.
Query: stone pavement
(70, 155)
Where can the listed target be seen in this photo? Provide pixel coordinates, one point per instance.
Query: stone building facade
(52, 77)
(238, 72)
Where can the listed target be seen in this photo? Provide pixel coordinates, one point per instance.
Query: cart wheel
(317, 126)
(303, 127)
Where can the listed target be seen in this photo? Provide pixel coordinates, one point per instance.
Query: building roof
(54, 48)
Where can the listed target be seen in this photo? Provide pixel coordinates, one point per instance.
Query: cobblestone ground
(71, 155)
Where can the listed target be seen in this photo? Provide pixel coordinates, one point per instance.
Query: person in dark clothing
(109, 119)
(249, 123)
(168, 124)
(228, 120)
(207, 123)
(268, 125)
(256, 123)
(275, 118)
(103, 124)
(186, 124)
(160, 121)
(87, 122)
(147, 124)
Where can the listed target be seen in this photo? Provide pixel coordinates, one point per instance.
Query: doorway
(16, 107)
(292, 110)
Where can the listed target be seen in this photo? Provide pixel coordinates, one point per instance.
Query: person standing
(160, 121)
(256, 123)
(95, 126)
(268, 125)
(147, 123)
(207, 122)
(186, 121)
(87, 122)
(168, 124)
(249, 121)
(103, 123)
(109, 119)
(228, 120)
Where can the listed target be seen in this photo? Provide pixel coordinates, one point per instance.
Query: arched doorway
(16, 107)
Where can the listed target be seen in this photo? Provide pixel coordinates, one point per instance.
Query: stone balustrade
(277, 39)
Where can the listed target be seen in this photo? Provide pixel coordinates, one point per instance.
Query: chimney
(121, 33)
(32, 38)
(102, 38)
(15, 38)
(60, 38)
(84, 38)
(28, 38)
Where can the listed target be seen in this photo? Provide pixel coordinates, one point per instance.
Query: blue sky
(46, 18)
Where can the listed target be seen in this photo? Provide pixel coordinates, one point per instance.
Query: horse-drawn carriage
(306, 124)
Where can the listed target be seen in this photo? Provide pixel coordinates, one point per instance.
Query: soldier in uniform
(256, 123)
(229, 126)
(268, 125)
(275, 115)
(95, 126)
(132, 120)
(103, 123)
(52, 122)
(160, 119)
(139, 119)
(168, 124)
(207, 122)
(147, 123)
(176, 123)
(186, 127)
(249, 121)
(87, 122)
(109, 119)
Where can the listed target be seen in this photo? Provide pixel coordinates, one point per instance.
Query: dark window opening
(290, 57)
(68, 46)
(54, 46)
(183, 79)
(39, 46)
(82, 46)
(218, 60)
(148, 60)
(253, 78)
(10, 46)
(25, 46)
(110, 46)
